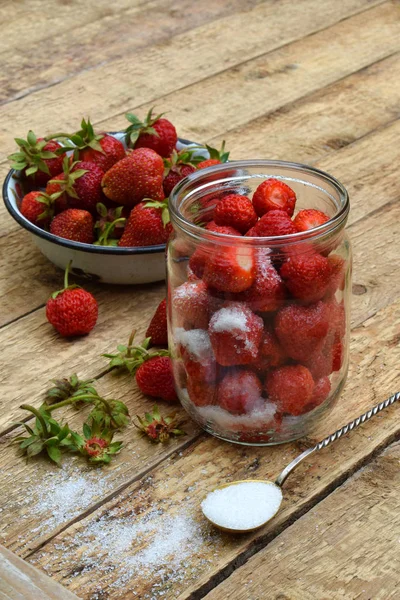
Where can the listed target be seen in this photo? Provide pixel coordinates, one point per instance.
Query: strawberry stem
(39, 417)
(66, 274)
(76, 399)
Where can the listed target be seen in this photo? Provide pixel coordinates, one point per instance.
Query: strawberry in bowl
(101, 198)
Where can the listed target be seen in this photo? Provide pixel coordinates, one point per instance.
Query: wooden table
(309, 81)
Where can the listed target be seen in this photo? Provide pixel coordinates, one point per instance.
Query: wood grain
(345, 547)
(173, 492)
(108, 90)
(19, 581)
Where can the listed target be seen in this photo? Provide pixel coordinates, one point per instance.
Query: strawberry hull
(268, 315)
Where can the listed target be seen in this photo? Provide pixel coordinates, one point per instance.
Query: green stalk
(73, 400)
(38, 415)
(66, 274)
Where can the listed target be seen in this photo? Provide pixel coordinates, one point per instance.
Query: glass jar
(258, 326)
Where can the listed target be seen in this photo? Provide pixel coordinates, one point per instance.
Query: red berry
(268, 290)
(163, 141)
(74, 224)
(235, 211)
(274, 222)
(87, 187)
(72, 312)
(338, 274)
(37, 208)
(201, 393)
(157, 329)
(273, 195)
(291, 388)
(229, 269)
(270, 353)
(154, 378)
(175, 175)
(192, 305)
(210, 162)
(235, 334)
(308, 219)
(307, 276)
(321, 392)
(225, 229)
(197, 354)
(240, 392)
(54, 165)
(144, 227)
(199, 257)
(301, 329)
(113, 151)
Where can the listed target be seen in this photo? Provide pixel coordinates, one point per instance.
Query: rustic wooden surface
(308, 81)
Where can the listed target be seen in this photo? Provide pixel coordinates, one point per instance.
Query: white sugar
(196, 342)
(258, 420)
(229, 318)
(242, 506)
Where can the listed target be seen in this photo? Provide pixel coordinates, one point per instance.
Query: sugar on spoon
(244, 506)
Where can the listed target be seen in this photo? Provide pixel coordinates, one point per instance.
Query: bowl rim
(50, 237)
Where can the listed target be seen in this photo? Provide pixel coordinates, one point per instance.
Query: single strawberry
(195, 348)
(38, 208)
(72, 311)
(39, 159)
(308, 219)
(229, 269)
(176, 167)
(157, 330)
(273, 194)
(175, 176)
(291, 388)
(274, 222)
(235, 334)
(240, 392)
(235, 211)
(268, 291)
(79, 184)
(199, 257)
(301, 330)
(137, 176)
(100, 149)
(155, 378)
(192, 305)
(307, 276)
(154, 132)
(225, 229)
(74, 224)
(216, 157)
(270, 353)
(110, 224)
(201, 393)
(144, 227)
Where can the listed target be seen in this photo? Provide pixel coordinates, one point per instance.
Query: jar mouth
(236, 173)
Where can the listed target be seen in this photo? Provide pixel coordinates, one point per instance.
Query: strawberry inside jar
(259, 279)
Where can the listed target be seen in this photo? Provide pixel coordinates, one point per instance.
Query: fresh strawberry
(270, 353)
(274, 222)
(40, 160)
(80, 185)
(307, 276)
(291, 388)
(101, 149)
(72, 311)
(155, 378)
(229, 269)
(137, 176)
(38, 208)
(268, 290)
(308, 219)
(174, 176)
(154, 132)
(197, 354)
(177, 166)
(201, 393)
(192, 305)
(235, 334)
(235, 211)
(225, 229)
(216, 157)
(74, 224)
(301, 330)
(157, 330)
(144, 227)
(240, 392)
(273, 194)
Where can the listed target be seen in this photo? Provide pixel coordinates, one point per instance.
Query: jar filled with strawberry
(259, 271)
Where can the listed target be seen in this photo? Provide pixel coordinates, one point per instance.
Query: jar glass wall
(258, 326)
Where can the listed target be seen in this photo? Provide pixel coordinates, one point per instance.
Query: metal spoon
(277, 484)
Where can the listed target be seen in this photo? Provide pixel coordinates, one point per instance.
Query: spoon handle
(335, 436)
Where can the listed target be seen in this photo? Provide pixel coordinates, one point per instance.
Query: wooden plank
(152, 540)
(112, 32)
(376, 284)
(101, 92)
(19, 580)
(44, 499)
(345, 547)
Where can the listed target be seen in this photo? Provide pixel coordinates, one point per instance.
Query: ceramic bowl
(105, 264)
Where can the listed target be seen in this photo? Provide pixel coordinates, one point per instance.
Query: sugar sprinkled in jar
(242, 506)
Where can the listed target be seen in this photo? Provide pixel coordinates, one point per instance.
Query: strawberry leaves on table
(95, 445)
(130, 357)
(159, 429)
